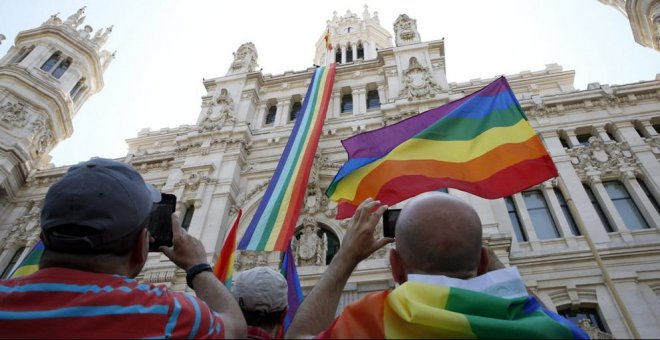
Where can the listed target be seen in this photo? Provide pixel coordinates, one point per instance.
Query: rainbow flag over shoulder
(481, 144)
(417, 310)
(272, 226)
(30, 263)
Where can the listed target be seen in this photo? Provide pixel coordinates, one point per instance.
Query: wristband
(194, 270)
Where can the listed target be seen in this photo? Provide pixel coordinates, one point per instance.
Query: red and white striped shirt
(67, 303)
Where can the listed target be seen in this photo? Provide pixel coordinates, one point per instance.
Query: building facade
(587, 242)
(644, 18)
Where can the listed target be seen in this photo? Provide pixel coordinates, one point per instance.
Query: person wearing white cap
(261, 293)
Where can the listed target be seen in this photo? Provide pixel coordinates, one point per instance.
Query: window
(648, 194)
(270, 116)
(338, 56)
(347, 103)
(567, 212)
(583, 139)
(538, 210)
(61, 68)
(187, 217)
(562, 139)
(639, 127)
(295, 109)
(50, 63)
(373, 101)
(77, 87)
(610, 135)
(349, 54)
(599, 211)
(12, 263)
(590, 314)
(515, 220)
(625, 205)
(360, 51)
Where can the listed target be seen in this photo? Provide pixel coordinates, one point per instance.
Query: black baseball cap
(94, 203)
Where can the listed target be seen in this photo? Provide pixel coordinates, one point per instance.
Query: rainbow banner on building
(224, 267)
(481, 144)
(273, 224)
(30, 263)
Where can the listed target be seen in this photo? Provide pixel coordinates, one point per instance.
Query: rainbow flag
(224, 267)
(30, 263)
(272, 226)
(295, 295)
(481, 144)
(420, 310)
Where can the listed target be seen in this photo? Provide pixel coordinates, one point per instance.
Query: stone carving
(245, 59)
(85, 32)
(418, 82)
(223, 109)
(593, 331)
(42, 137)
(54, 20)
(405, 31)
(101, 36)
(75, 19)
(14, 114)
(246, 259)
(605, 158)
(25, 231)
(309, 248)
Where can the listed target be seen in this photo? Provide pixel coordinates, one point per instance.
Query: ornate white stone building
(644, 18)
(586, 242)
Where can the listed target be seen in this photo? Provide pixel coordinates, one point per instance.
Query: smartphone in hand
(389, 222)
(160, 222)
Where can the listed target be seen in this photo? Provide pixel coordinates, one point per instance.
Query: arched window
(295, 109)
(187, 217)
(24, 52)
(12, 263)
(373, 101)
(347, 103)
(61, 68)
(270, 116)
(349, 54)
(50, 63)
(360, 51)
(338, 55)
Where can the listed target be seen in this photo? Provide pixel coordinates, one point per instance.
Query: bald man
(449, 285)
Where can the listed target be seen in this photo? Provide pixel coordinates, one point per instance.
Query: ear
(484, 261)
(398, 269)
(141, 249)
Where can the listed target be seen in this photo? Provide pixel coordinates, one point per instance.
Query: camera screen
(389, 222)
(160, 222)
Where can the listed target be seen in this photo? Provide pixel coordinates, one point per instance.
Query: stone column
(648, 129)
(359, 101)
(526, 222)
(260, 120)
(354, 50)
(343, 54)
(282, 115)
(335, 105)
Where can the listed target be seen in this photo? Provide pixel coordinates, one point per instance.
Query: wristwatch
(194, 270)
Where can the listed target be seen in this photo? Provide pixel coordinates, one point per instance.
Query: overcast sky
(165, 48)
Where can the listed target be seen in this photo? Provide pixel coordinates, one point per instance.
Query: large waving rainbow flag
(419, 310)
(272, 226)
(481, 144)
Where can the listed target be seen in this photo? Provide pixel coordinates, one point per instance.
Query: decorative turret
(352, 38)
(245, 59)
(44, 80)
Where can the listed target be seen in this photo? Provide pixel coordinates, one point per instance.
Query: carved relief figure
(417, 82)
(405, 31)
(42, 137)
(14, 114)
(310, 248)
(225, 106)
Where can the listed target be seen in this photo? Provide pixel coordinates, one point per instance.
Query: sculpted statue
(75, 19)
(245, 59)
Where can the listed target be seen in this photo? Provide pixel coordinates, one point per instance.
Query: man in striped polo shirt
(94, 229)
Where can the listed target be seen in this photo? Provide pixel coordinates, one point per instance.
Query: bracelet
(194, 270)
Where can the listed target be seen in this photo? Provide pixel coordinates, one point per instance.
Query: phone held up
(160, 222)
(389, 221)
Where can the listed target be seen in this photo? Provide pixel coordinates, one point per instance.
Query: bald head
(439, 234)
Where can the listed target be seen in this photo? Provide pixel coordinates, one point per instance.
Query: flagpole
(606, 275)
